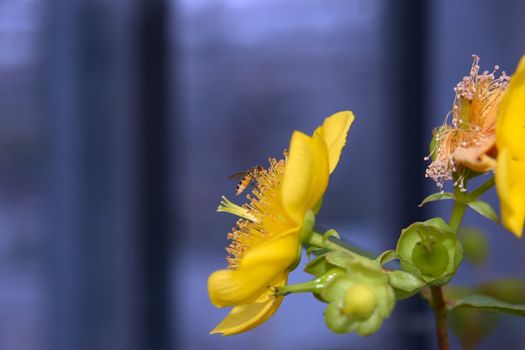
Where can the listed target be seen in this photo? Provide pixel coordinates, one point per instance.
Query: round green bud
(430, 251)
(430, 257)
(359, 301)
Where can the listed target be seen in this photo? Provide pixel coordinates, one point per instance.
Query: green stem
(461, 200)
(487, 185)
(317, 240)
(438, 301)
(457, 215)
(304, 287)
(310, 286)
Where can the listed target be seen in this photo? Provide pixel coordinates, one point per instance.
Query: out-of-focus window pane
(22, 288)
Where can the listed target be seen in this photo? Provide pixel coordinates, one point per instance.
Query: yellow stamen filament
(267, 215)
(227, 206)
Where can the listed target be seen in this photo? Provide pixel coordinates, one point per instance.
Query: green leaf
(508, 290)
(484, 209)
(483, 302)
(437, 197)
(386, 257)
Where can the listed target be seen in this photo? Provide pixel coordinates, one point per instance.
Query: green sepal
(347, 261)
(307, 230)
(444, 251)
(437, 197)
(433, 144)
(356, 269)
(469, 174)
(330, 233)
(483, 208)
(329, 260)
(318, 265)
(386, 257)
(405, 284)
(312, 250)
(317, 206)
(483, 302)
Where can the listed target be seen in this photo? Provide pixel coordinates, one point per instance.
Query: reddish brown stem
(440, 314)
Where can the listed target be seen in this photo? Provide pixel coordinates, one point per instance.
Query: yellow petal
(510, 128)
(333, 132)
(261, 267)
(306, 175)
(245, 317)
(510, 184)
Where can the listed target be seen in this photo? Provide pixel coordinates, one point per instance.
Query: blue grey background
(120, 122)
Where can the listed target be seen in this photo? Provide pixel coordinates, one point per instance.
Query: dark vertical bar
(411, 80)
(82, 175)
(407, 35)
(89, 162)
(154, 159)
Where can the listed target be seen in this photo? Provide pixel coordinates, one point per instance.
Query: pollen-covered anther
(259, 216)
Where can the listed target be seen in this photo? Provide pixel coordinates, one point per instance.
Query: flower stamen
(262, 217)
(228, 206)
(474, 113)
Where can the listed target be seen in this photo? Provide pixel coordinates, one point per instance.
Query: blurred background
(120, 122)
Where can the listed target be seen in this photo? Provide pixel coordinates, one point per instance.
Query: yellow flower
(468, 142)
(510, 140)
(265, 243)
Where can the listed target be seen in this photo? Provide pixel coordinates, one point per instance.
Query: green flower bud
(360, 299)
(430, 256)
(430, 251)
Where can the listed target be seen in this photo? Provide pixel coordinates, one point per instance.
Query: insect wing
(238, 176)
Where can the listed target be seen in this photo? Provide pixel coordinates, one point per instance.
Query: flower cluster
(484, 133)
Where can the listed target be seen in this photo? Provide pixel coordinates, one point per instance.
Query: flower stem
(487, 185)
(317, 240)
(295, 288)
(457, 215)
(440, 315)
(310, 286)
(439, 305)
